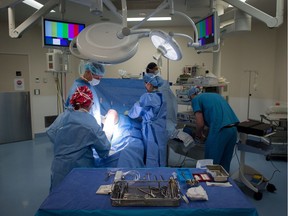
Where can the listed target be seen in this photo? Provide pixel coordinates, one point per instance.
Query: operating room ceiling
(79, 13)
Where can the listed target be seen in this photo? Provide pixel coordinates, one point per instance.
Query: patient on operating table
(127, 149)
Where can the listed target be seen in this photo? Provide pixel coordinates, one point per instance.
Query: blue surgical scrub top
(216, 111)
(74, 134)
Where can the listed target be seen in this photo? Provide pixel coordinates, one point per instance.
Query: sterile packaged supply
(202, 177)
(197, 193)
(183, 175)
(104, 189)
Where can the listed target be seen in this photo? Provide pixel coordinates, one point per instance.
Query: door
(15, 111)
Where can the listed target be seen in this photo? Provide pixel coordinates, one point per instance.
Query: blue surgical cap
(156, 81)
(95, 68)
(193, 90)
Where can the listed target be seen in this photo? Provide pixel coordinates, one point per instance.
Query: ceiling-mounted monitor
(208, 31)
(58, 34)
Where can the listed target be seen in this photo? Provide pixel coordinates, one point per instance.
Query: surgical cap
(82, 97)
(193, 90)
(156, 81)
(151, 66)
(95, 68)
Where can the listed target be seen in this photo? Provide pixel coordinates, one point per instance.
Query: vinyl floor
(25, 178)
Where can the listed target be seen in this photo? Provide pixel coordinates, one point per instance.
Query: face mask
(94, 82)
(157, 73)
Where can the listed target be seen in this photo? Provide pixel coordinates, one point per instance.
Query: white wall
(258, 50)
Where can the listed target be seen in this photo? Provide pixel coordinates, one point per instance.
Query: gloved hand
(126, 112)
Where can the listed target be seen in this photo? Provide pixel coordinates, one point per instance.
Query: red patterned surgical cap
(81, 98)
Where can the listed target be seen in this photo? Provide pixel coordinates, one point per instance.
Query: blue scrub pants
(219, 146)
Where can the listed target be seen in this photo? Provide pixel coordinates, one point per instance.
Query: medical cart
(252, 135)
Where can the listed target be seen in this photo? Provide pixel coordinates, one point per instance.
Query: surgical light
(166, 45)
(99, 42)
(34, 4)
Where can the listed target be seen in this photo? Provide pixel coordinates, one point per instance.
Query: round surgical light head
(99, 43)
(166, 45)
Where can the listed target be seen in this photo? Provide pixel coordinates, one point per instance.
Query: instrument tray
(146, 193)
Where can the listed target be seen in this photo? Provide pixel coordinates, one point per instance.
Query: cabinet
(15, 117)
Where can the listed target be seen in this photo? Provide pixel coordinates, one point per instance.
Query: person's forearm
(199, 124)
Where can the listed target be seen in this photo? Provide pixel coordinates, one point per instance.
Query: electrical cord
(183, 161)
(276, 170)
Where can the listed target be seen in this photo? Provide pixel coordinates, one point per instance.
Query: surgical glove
(197, 193)
(186, 138)
(126, 112)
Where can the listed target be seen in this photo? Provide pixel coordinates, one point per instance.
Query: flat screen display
(208, 29)
(60, 33)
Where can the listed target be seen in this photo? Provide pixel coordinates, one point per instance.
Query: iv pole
(249, 89)
(249, 94)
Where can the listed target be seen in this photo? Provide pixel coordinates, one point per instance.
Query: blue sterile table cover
(76, 195)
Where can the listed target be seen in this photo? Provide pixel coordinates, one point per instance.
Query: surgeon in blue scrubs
(91, 74)
(152, 109)
(74, 134)
(213, 111)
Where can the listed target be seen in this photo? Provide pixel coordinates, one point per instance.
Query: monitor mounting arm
(16, 32)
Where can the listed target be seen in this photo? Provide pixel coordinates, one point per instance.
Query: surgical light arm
(142, 32)
(192, 43)
(17, 32)
(260, 15)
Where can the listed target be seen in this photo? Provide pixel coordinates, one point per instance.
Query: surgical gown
(95, 109)
(221, 120)
(74, 134)
(172, 107)
(152, 108)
